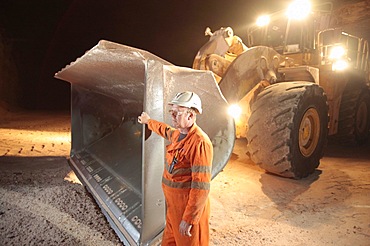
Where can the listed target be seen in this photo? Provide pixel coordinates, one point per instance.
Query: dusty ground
(249, 207)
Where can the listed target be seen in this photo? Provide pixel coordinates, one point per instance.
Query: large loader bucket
(119, 160)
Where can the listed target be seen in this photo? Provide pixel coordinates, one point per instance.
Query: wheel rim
(361, 118)
(309, 132)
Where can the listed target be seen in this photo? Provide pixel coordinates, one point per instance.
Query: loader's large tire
(288, 129)
(354, 117)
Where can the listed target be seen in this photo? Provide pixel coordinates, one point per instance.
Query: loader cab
(284, 36)
(291, 35)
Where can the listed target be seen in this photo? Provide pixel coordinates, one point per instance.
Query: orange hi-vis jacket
(186, 188)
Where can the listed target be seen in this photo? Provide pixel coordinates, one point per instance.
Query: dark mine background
(40, 37)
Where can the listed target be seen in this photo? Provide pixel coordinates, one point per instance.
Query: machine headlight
(298, 9)
(337, 52)
(235, 111)
(339, 65)
(263, 20)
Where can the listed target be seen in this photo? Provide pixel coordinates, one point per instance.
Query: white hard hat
(187, 99)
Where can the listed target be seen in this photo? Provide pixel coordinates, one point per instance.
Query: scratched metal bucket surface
(119, 160)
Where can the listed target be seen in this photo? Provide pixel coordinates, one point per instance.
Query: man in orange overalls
(187, 173)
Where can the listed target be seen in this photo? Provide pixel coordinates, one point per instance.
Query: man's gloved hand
(185, 228)
(143, 118)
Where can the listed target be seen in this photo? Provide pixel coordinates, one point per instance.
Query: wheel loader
(293, 93)
(298, 83)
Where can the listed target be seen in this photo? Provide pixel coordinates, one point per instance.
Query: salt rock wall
(353, 17)
(9, 83)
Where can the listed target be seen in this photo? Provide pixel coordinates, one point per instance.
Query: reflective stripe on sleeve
(200, 185)
(201, 169)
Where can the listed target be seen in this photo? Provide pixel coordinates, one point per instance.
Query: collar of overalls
(178, 145)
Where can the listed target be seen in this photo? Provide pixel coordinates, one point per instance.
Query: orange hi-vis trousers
(176, 200)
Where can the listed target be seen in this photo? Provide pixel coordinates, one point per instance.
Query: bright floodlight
(235, 111)
(337, 52)
(339, 65)
(263, 20)
(299, 9)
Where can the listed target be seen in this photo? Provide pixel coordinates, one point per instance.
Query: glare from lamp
(337, 52)
(339, 65)
(263, 20)
(235, 111)
(298, 9)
